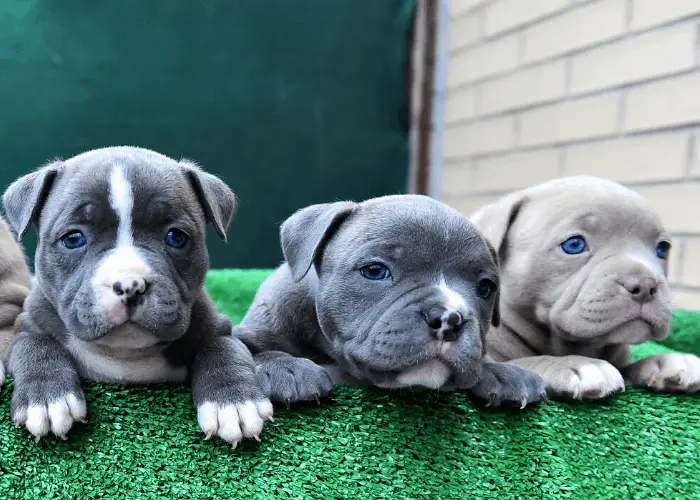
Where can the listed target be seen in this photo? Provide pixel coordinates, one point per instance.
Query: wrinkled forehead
(118, 185)
(597, 214)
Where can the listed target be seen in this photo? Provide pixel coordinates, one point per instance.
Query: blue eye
(574, 245)
(375, 272)
(73, 240)
(176, 238)
(662, 250)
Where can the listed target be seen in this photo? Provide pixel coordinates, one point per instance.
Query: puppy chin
(632, 331)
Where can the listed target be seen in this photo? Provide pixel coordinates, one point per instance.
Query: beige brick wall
(538, 89)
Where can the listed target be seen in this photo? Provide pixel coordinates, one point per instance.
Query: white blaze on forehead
(452, 300)
(122, 201)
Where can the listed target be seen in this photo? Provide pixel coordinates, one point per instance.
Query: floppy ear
(496, 316)
(494, 220)
(216, 198)
(25, 198)
(305, 233)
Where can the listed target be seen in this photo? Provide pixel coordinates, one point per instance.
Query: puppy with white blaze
(583, 268)
(397, 291)
(119, 294)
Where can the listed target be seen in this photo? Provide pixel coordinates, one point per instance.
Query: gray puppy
(397, 291)
(119, 297)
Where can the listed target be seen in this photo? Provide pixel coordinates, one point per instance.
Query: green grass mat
(145, 443)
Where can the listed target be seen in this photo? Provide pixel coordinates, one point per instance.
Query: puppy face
(585, 257)
(121, 238)
(406, 290)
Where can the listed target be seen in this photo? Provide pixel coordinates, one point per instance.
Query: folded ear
(24, 198)
(496, 316)
(306, 232)
(216, 198)
(495, 220)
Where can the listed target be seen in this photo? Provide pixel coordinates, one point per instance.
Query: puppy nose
(130, 290)
(643, 289)
(447, 324)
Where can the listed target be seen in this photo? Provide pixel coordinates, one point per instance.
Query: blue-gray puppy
(392, 292)
(119, 297)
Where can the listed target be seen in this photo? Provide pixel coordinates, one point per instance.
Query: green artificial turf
(144, 442)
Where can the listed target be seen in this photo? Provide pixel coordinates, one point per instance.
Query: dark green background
(290, 102)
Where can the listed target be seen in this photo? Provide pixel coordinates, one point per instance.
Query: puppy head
(583, 256)
(406, 289)
(121, 237)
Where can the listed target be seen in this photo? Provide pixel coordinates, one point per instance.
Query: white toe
(251, 421)
(207, 416)
(229, 424)
(235, 421)
(38, 420)
(60, 418)
(77, 408)
(2, 373)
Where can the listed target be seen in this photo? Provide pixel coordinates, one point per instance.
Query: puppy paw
(503, 384)
(577, 377)
(234, 421)
(286, 379)
(673, 373)
(56, 415)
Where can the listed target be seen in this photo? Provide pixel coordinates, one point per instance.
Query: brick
(484, 60)
(460, 105)
(457, 178)
(464, 32)
(531, 86)
(654, 54)
(515, 171)
(689, 301)
(508, 14)
(637, 159)
(672, 202)
(459, 7)
(691, 264)
(485, 136)
(468, 205)
(666, 103)
(586, 118)
(578, 28)
(647, 13)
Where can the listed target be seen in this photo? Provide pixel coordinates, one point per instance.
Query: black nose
(447, 325)
(131, 293)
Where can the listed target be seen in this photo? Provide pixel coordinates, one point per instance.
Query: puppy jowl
(393, 292)
(119, 297)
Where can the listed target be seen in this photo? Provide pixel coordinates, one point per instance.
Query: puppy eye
(662, 250)
(574, 245)
(485, 288)
(73, 240)
(176, 238)
(375, 272)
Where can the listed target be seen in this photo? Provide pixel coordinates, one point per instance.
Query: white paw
(591, 380)
(57, 416)
(233, 422)
(669, 372)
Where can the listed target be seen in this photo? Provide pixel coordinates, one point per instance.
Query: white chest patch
(128, 355)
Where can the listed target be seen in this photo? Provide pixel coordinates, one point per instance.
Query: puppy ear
(496, 316)
(306, 232)
(216, 198)
(495, 220)
(24, 199)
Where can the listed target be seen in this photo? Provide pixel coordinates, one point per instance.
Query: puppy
(394, 292)
(583, 276)
(15, 284)
(119, 297)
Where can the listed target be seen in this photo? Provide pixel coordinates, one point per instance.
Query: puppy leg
(287, 379)
(574, 377)
(503, 384)
(674, 373)
(229, 401)
(47, 396)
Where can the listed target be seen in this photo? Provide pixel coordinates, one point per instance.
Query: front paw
(503, 384)
(287, 379)
(44, 411)
(673, 373)
(234, 421)
(579, 377)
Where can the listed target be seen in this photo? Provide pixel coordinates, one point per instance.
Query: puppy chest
(128, 355)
